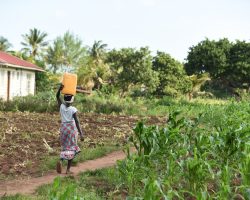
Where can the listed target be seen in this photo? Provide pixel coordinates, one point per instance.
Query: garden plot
(26, 139)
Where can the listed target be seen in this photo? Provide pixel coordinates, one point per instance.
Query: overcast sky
(171, 26)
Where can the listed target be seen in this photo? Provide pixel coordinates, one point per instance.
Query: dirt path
(29, 186)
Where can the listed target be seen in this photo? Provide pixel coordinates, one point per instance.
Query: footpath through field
(29, 186)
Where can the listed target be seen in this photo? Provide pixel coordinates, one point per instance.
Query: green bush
(42, 102)
(108, 104)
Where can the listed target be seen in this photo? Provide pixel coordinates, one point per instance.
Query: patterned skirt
(68, 139)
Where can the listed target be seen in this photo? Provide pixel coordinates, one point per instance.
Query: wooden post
(83, 91)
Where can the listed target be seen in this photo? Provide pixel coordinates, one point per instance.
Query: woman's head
(68, 98)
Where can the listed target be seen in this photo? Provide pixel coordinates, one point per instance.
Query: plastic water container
(69, 81)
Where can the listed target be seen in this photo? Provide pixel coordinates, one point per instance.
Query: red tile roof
(13, 61)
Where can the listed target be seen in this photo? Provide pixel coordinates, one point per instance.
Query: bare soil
(22, 135)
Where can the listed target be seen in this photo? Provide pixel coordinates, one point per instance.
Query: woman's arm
(59, 101)
(78, 126)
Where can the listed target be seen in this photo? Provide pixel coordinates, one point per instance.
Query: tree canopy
(4, 44)
(172, 76)
(238, 72)
(34, 42)
(65, 53)
(97, 51)
(208, 56)
(225, 61)
(133, 67)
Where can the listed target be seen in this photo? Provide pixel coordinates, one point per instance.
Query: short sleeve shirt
(67, 113)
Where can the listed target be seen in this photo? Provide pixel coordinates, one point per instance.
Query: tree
(227, 63)
(55, 55)
(238, 73)
(198, 80)
(97, 51)
(4, 44)
(98, 71)
(73, 50)
(208, 56)
(65, 53)
(34, 43)
(172, 76)
(132, 67)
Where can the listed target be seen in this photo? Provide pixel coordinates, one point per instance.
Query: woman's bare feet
(59, 167)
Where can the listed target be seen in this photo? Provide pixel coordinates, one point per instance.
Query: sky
(172, 26)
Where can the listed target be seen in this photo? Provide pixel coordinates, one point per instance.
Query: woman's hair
(68, 98)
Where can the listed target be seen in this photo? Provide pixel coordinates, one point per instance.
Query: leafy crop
(204, 157)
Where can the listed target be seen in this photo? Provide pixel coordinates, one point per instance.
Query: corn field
(203, 157)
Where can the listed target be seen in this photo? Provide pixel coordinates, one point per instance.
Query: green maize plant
(196, 158)
(153, 190)
(225, 191)
(130, 171)
(246, 171)
(196, 172)
(245, 174)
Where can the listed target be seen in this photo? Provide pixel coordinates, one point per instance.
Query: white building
(17, 77)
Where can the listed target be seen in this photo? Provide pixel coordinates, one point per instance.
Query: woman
(68, 131)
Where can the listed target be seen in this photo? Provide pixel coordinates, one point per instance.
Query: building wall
(22, 82)
(3, 84)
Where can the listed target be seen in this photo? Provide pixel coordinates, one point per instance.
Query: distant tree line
(214, 65)
(228, 63)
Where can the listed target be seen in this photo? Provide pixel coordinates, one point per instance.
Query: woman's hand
(59, 101)
(61, 87)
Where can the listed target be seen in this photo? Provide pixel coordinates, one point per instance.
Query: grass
(91, 185)
(86, 154)
(57, 190)
(105, 182)
(18, 197)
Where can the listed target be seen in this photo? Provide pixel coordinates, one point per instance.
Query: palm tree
(97, 51)
(55, 55)
(97, 56)
(66, 53)
(197, 82)
(73, 49)
(34, 42)
(4, 44)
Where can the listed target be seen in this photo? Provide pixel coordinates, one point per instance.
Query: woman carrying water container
(68, 131)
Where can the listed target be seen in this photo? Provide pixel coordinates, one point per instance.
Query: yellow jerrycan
(69, 81)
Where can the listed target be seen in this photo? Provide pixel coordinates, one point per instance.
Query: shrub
(42, 102)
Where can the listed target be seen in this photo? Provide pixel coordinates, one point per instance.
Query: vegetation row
(212, 68)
